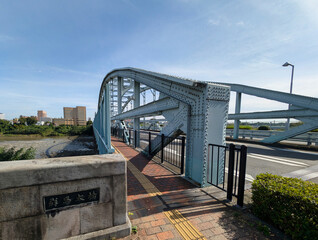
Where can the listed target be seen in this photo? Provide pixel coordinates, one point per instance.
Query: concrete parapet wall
(81, 197)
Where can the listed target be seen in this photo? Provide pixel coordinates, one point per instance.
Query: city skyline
(57, 53)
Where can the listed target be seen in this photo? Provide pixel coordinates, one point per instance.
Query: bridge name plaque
(59, 202)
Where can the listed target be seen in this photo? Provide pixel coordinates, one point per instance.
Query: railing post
(182, 154)
(135, 138)
(231, 172)
(124, 136)
(162, 142)
(149, 145)
(242, 170)
(309, 141)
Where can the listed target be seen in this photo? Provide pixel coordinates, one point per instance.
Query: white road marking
(247, 176)
(296, 151)
(276, 161)
(280, 159)
(304, 174)
(309, 176)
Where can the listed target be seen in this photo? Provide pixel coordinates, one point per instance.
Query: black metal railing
(231, 160)
(167, 149)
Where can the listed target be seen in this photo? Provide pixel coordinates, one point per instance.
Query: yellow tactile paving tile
(185, 228)
(182, 224)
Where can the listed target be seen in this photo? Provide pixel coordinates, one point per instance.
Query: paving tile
(219, 237)
(167, 227)
(217, 230)
(205, 225)
(158, 223)
(159, 216)
(207, 233)
(165, 235)
(151, 237)
(153, 230)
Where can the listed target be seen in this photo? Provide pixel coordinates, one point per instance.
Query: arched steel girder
(202, 112)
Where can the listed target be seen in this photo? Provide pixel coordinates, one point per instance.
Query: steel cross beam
(275, 114)
(150, 109)
(302, 107)
(202, 114)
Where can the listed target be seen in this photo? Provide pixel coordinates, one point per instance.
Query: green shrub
(264, 127)
(288, 203)
(231, 126)
(248, 127)
(12, 154)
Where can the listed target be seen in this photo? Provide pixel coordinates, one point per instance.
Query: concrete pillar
(237, 111)
(137, 104)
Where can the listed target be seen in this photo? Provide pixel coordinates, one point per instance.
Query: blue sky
(56, 53)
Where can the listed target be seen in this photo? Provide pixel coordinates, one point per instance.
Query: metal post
(182, 154)
(135, 142)
(137, 104)
(119, 94)
(149, 145)
(237, 111)
(231, 172)
(162, 142)
(291, 91)
(242, 170)
(124, 136)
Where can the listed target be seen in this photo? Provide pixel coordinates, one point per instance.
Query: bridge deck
(165, 206)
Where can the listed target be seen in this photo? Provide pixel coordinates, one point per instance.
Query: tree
(89, 122)
(31, 121)
(5, 125)
(22, 120)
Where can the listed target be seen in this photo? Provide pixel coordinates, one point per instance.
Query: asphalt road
(281, 161)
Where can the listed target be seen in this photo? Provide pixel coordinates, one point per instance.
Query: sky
(55, 54)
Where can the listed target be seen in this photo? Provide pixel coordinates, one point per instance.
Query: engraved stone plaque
(58, 202)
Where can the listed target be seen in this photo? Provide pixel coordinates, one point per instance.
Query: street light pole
(286, 64)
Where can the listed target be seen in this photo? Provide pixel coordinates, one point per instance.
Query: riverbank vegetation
(13, 154)
(46, 130)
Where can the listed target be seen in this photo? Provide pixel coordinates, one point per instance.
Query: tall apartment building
(41, 114)
(78, 115)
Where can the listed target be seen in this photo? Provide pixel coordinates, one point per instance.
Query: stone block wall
(81, 197)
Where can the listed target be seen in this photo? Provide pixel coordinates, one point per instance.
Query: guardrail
(172, 153)
(101, 145)
(231, 160)
(309, 138)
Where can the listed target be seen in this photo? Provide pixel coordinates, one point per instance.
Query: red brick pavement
(212, 218)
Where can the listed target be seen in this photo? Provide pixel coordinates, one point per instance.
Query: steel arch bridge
(198, 109)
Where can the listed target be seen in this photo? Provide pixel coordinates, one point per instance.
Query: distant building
(46, 119)
(42, 114)
(78, 115)
(2, 116)
(62, 121)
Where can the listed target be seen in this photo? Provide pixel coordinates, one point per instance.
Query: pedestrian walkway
(163, 205)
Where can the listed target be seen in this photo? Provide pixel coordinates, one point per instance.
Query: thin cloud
(240, 23)
(214, 22)
(6, 38)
